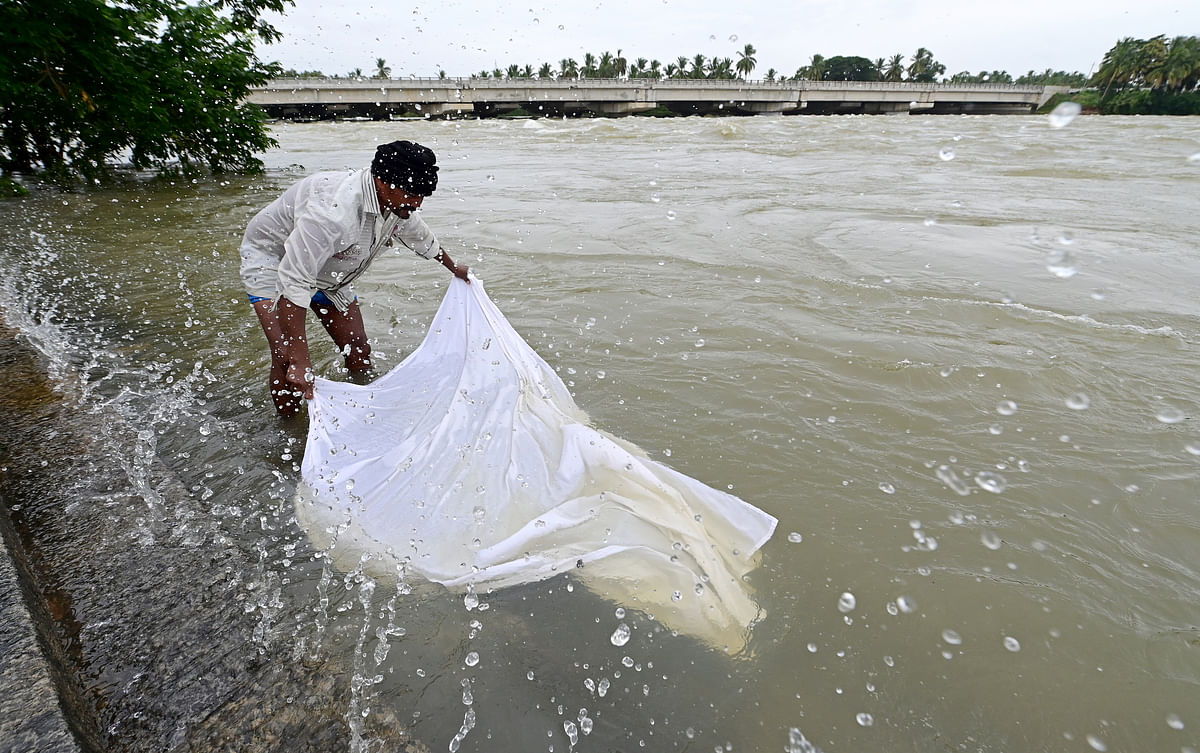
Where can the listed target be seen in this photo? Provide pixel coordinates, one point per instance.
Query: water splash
(1062, 115)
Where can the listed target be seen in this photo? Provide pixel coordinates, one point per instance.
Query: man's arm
(460, 271)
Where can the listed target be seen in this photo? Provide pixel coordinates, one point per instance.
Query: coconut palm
(620, 65)
(589, 66)
(568, 68)
(545, 72)
(356, 73)
(923, 67)
(655, 69)
(381, 69)
(698, 66)
(1182, 64)
(893, 70)
(681, 65)
(746, 60)
(1120, 64)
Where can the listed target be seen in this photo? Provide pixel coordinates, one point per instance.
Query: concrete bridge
(381, 99)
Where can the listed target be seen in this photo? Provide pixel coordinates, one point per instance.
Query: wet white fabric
(470, 464)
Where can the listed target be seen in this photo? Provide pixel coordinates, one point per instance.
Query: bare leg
(287, 402)
(348, 334)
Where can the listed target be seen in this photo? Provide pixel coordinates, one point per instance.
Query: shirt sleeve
(415, 234)
(313, 242)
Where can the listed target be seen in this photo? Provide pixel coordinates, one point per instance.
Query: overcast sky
(466, 36)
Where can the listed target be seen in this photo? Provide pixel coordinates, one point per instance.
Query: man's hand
(461, 271)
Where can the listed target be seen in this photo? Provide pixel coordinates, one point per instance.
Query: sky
(463, 37)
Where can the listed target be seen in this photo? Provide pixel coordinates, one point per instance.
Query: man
(306, 248)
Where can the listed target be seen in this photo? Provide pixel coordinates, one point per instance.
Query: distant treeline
(920, 67)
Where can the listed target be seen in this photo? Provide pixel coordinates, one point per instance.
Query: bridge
(382, 99)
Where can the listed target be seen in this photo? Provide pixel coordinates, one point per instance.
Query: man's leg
(348, 334)
(287, 403)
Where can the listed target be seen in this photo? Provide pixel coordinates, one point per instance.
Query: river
(954, 356)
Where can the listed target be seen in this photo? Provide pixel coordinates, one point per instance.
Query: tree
(568, 68)
(1182, 64)
(356, 73)
(1120, 64)
(82, 81)
(814, 71)
(545, 72)
(893, 70)
(698, 66)
(746, 60)
(924, 68)
(849, 68)
(381, 69)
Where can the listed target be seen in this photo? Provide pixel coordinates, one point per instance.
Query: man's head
(405, 173)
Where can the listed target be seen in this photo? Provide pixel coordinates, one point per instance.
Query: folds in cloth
(470, 465)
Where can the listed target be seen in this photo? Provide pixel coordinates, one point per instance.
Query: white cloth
(470, 463)
(321, 234)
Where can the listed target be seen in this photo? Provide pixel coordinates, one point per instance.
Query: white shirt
(321, 234)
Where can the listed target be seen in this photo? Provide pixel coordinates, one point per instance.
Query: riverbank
(97, 640)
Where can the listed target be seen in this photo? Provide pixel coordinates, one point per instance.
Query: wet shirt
(321, 234)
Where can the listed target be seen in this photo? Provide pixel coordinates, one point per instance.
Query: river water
(954, 356)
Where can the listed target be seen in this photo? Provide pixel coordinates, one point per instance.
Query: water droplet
(864, 719)
(620, 636)
(847, 602)
(1078, 401)
(676, 595)
(561, 27)
(886, 488)
(952, 480)
(991, 540)
(946, 154)
(1174, 722)
(812, 648)
(1170, 415)
(620, 613)
(602, 687)
(1060, 264)
(529, 675)
(667, 452)
(572, 732)
(952, 637)
(470, 600)
(1097, 743)
(1062, 115)
(1194, 159)
(655, 197)
(700, 343)
(733, 37)
(471, 659)
(479, 513)
(906, 604)
(1006, 408)
(991, 482)
(1012, 644)
(1193, 448)
(670, 214)
(795, 537)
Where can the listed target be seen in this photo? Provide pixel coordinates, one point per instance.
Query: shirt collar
(370, 197)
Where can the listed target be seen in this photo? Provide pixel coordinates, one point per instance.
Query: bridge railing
(635, 83)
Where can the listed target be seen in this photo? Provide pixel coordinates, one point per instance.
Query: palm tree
(815, 70)
(356, 73)
(605, 68)
(698, 66)
(772, 74)
(655, 69)
(671, 70)
(924, 67)
(545, 71)
(568, 68)
(1120, 64)
(894, 69)
(1182, 64)
(681, 65)
(514, 71)
(620, 64)
(746, 60)
(589, 66)
(381, 69)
